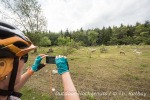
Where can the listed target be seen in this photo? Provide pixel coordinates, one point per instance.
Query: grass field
(96, 75)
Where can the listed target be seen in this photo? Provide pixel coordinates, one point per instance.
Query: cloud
(74, 14)
(67, 14)
(126, 12)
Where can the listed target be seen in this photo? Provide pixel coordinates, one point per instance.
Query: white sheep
(137, 52)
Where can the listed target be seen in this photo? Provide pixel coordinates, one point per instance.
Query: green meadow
(99, 73)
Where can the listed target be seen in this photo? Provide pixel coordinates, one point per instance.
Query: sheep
(122, 52)
(137, 52)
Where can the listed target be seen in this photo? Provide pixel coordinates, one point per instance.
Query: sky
(89, 14)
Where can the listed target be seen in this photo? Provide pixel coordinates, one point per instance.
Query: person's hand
(37, 63)
(62, 64)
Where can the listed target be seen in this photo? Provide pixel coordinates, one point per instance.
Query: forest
(138, 34)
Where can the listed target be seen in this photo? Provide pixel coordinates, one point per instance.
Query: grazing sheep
(122, 52)
(137, 52)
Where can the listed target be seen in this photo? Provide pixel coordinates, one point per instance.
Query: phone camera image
(50, 59)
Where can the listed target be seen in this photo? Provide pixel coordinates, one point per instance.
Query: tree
(130, 31)
(63, 41)
(34, 37)
(67, 34)
(27, 14)
(80, 37)
(45, 41)
(53, 37)
(92, 37)
(147, 23)
(106, 35)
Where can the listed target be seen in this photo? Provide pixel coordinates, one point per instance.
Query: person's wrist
(30, 71)
(65, 72)
(63, 69)
(34, 68)
(60, 72)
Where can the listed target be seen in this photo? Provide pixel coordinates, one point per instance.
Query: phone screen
(50, 59)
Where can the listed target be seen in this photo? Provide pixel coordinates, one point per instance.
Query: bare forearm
(24, 79)
(70, 92)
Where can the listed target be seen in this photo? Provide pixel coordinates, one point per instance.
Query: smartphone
(50, 59)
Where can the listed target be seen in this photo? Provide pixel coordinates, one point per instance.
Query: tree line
(121, 35)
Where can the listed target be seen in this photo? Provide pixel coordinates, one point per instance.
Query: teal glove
(62, 65)
(37, 64)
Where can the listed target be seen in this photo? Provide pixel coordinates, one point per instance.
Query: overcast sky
(88, 14)
(74, 14)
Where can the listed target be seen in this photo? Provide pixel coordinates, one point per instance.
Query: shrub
(103, 49)
(73, 44)
(66, 50)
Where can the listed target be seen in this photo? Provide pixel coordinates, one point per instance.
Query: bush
(66, 50)
(74, 44)
(103, 49)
